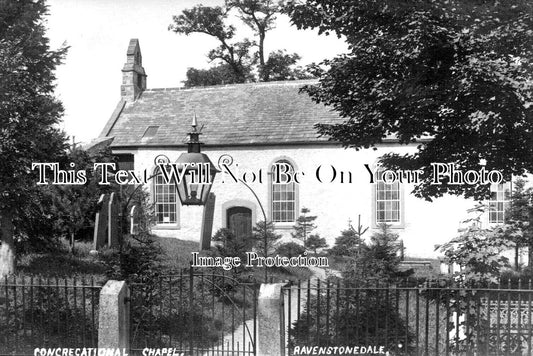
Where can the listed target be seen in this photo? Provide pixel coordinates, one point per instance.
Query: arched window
(165, 200)
(388, 201)
(283, 192)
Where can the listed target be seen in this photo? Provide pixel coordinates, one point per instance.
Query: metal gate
(194, 314)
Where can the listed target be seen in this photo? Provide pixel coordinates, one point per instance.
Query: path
(241, 335)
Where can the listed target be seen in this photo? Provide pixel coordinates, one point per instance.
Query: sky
(98, 33)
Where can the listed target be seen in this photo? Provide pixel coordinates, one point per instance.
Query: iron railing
(47, 313)
(409, 318)
(194, 313)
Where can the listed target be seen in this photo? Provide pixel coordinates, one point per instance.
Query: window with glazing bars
(387, 201)
(283, 198)
(499, 201)
(165, 201)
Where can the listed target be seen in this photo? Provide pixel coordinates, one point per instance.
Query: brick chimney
(133, 75)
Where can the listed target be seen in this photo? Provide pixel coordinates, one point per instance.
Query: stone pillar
(114, 316)
(270, 321)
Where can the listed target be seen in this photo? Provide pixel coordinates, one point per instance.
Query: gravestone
(134, 220)
(101, 223)
(207, 223)
(112, 221)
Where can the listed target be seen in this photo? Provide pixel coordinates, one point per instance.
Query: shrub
(349, 325)
(356, 319)
(315, 242)
(290, 249)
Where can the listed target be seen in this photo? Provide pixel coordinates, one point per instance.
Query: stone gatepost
(114, 316)
(270, 321)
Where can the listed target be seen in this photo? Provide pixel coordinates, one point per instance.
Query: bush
(314, 242)
(290, 249)
(53, 316)
(364, 323)
(357, 318)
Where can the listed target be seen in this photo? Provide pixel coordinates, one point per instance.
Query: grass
(177, 253)
(62, 264)
(178, 256)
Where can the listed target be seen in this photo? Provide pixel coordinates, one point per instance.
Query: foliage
(283, 66)
(304, 225)
(314, 242)
(455, 71)
(518, 219)
(62, 210)
(231, 246)
(218, 74)
(377, 260)
(265, 237)
(29, 113)
(290, 249)
(139, 257)
(359, 313)
(236, 62)
(478, 251)
(56, 313)
(357, 318)
(348, 244)
(75, 206)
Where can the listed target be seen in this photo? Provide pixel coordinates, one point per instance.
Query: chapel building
(255, 126)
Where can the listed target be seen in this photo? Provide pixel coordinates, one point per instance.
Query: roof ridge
(228, 86)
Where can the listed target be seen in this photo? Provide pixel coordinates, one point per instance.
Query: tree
(456, 72)
(314, 242)
(220, 74)
(282, 66)
(74, 206)
(29, 113)
(350, 241)
(379, 259)
(237, 58)
(518, 220)
(265, 238)
(478, 251)
(304, 225)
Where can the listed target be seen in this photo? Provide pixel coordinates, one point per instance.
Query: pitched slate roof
(239, 114)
